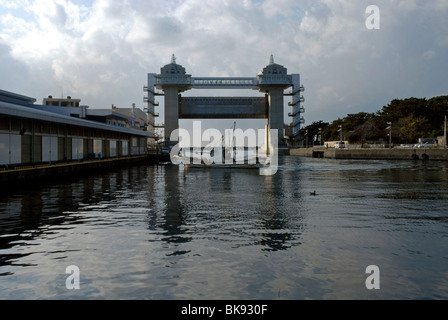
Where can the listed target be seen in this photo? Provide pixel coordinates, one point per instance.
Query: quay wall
(374, 154)
(66, 169)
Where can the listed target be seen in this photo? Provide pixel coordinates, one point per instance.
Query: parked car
(424, 145)
(339, 145)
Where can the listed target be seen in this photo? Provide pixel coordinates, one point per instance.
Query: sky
(101, 51)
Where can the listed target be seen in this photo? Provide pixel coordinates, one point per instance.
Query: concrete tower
(173, 80)
(273, 80)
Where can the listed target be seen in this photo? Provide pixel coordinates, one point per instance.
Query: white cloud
(8, 4)
(101, 51)
(428, 55)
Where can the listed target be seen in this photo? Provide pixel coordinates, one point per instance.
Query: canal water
(164, 232)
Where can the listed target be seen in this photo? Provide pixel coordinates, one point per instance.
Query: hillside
(411, 119)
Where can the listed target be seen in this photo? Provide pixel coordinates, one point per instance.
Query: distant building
(69, 102)
(64, 130)
(122, 117)
(136, 117)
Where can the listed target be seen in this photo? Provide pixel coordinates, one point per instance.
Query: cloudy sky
(101, 50)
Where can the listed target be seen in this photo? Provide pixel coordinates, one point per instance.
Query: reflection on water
(164, 232)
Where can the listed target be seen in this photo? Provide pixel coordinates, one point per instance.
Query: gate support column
(171, 113)
(276, 109)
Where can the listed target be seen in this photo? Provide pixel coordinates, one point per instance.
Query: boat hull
(224, 166)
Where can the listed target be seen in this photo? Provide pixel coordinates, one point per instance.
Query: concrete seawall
(69, 169)
(374, 154)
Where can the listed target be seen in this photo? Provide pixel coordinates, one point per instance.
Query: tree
(330, 133)
(414, 128)
(313, 131)
(398, 109)
(437, 108)
(366, 131)
(411, 119)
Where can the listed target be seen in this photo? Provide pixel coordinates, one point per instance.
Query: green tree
(411, 119)
(330, 133)
(414, 128)
(313, 131)
(366, 131)
(436, 110)
(398, 109)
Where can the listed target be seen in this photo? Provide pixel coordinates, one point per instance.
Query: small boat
(224, 166)
(224, 156)
(243, 159)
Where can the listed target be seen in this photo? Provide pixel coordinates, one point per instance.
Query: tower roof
(173, 67)
(273, 68)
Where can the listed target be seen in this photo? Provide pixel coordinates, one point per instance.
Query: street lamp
(306, 139)
(390, 133)
(340, 133)
(320, 136)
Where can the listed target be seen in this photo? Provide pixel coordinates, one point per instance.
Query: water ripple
(161, 232)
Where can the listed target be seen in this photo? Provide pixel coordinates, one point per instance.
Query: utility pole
(340, 133)
(444, 135)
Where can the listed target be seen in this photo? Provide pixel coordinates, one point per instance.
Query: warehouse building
(63, 130)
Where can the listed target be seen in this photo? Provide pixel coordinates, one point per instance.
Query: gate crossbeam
(223, 108)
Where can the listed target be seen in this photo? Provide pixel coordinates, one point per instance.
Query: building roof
(129, 113)
(16, 110)
(13, 104)
(106, 113)
(7, 96)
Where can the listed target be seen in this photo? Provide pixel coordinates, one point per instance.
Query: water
(161, 232)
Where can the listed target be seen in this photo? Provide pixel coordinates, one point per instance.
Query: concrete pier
(373, 154)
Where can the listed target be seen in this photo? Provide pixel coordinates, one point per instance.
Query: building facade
(32, 134)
